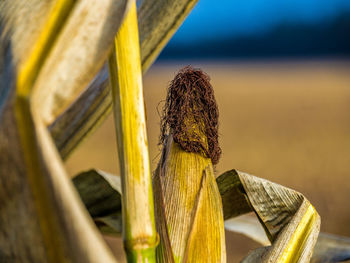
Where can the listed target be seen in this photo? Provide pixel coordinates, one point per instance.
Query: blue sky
(246, 17)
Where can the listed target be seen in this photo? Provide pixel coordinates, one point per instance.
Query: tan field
(288, 122)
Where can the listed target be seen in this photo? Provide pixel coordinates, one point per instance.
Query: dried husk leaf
(290, 221)
(78, 54)
(268, 201)
(101, 195)
(100, 192)
(234, 199)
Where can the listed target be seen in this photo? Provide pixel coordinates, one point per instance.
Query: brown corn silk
(188, 205)
(191, 114)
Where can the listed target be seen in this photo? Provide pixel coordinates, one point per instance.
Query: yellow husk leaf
(188, 207)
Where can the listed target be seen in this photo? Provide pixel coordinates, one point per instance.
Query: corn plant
(64, 65)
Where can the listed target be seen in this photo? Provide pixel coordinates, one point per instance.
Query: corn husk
(188, 208)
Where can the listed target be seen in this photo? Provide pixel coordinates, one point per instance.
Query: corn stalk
(140, 237)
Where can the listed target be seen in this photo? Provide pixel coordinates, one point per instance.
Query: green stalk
(139, 234)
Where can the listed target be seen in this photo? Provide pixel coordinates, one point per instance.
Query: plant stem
(140, 237)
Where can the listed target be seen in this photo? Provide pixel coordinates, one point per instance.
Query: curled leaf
(290, 221)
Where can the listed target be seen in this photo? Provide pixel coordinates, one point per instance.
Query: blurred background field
(288, 122)
(281, 76)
